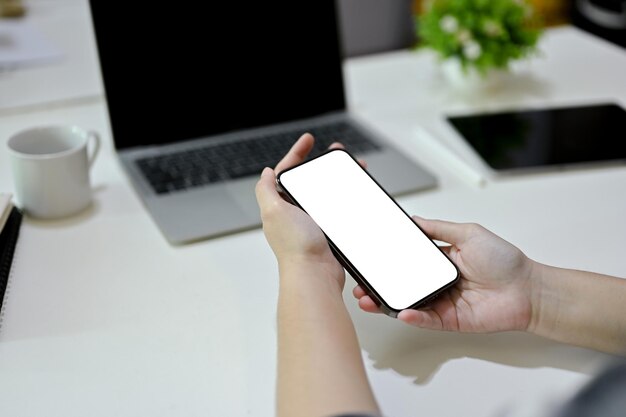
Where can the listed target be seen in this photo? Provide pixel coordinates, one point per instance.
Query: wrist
(535, 279)
(312, 274)
(543, 299)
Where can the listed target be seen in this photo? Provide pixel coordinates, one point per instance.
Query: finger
(368, 305)
(425, 319)
(265, 190)
(339, 145)
(449, 232)
(358, 292)
(297, 153)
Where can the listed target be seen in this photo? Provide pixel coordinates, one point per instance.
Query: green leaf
(505, 30)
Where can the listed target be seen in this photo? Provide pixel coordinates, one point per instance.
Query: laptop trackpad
(242, 192)
(197, 213)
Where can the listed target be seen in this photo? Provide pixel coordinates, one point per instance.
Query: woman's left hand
(293, 236)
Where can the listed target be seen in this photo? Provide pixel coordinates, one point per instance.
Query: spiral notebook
(10, 222)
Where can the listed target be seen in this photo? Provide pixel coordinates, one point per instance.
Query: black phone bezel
(349, 267)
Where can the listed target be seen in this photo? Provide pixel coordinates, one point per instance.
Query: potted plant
(475, 37)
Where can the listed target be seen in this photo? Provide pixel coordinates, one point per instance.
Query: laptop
(201, 97)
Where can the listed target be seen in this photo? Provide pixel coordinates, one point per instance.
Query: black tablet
(556, 137)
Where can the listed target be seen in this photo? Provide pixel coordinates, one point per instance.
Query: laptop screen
(185, 70)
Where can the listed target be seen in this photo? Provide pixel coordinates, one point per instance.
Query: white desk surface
(104, 318)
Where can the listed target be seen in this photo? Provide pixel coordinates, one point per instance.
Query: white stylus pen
(447, 157)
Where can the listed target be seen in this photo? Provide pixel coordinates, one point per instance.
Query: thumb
(266, 193)
(449, 232)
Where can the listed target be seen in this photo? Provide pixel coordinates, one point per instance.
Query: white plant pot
(470, 79)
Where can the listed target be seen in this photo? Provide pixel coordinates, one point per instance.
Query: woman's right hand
(495, 290)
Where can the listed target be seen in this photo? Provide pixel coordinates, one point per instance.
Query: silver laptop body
(230, 206)
(202, 102)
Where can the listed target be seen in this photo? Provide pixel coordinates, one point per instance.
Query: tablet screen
(552, 137)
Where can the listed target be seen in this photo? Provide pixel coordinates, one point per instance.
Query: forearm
(580, 308)
(320, 369)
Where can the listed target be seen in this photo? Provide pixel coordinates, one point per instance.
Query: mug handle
(95, 138)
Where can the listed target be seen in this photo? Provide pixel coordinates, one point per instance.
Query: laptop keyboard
(200, 166)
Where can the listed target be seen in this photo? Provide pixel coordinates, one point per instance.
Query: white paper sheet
(22, 45)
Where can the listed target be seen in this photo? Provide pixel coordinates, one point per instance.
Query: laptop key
(198, 167)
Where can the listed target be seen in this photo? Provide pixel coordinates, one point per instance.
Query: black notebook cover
(8, 240)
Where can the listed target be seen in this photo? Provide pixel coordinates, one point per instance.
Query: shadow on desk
(419, 354)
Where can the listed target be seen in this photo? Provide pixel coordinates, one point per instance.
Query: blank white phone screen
(390, 252)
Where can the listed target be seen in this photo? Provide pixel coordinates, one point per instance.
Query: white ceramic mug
(51, 169)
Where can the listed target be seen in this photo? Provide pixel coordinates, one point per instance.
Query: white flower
(492, 28)
(528, 10)
(472, 50)
(464, 36)
(449, 24)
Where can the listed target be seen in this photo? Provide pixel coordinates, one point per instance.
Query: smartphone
(374, 239)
